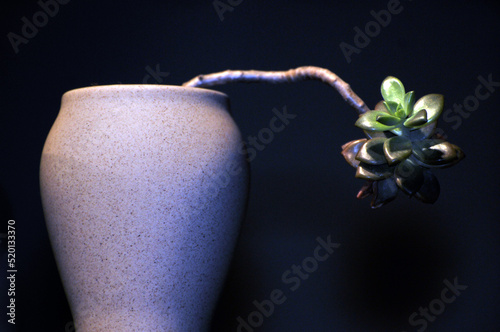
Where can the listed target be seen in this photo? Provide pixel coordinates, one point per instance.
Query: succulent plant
(401, 147)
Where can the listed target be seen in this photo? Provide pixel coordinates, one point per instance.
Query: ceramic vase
(143, 189)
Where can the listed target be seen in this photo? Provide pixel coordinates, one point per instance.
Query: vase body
(143, 189)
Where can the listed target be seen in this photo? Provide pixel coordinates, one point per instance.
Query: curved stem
(292, 75)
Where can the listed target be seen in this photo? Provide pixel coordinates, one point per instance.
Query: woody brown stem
(292, 75)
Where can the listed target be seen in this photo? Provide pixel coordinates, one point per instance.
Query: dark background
(391, 261)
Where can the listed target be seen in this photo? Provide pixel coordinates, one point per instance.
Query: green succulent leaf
(423, 132)
(393, 90)
(433, 104)
(377, 120)
(429, 192)
(400, 113)
(408, 103)
(397, 131)
(397, 149)
(351, 149)
(372, 152)
(384, 191)
(375, 133)
(416, 120)
(388, 120)
(373, 172)
(437, 153)
(409, 176)
(391, 106)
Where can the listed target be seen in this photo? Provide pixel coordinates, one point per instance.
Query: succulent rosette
(402, 147)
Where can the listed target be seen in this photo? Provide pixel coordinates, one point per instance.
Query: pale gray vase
(143, 189)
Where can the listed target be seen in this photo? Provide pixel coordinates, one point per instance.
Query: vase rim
(143, 87)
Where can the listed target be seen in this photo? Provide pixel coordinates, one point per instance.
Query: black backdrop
(391, 261)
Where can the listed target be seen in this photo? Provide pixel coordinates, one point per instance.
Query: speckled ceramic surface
(143, 189)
